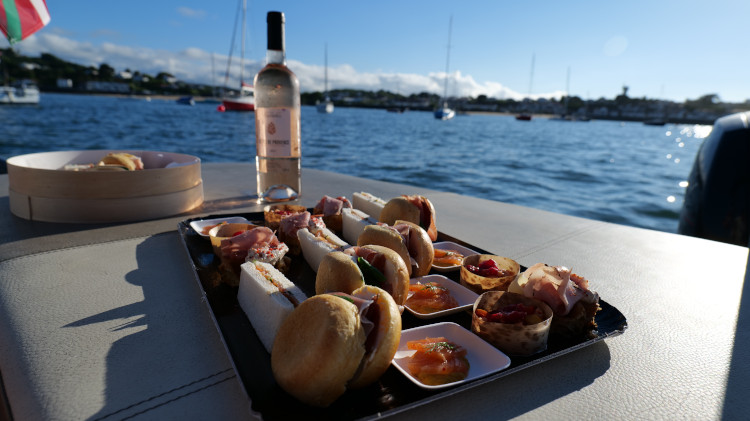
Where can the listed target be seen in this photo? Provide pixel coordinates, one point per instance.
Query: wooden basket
(41, 190)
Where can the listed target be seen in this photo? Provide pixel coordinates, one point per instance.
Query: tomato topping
(513, 313)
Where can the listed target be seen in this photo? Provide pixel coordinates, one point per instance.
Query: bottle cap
(275, 21)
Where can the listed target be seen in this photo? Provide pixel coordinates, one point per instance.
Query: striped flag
(21, 18)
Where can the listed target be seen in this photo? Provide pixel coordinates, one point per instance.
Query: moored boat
(20, 20)
(186, 100)
(244, 100)
(326, 106)
(445, 112)
(523, 117)
(23, 92)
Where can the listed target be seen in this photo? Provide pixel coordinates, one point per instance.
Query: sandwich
(354, 222)
(290, 224)
(255, 243)
(368, 203)
(267, 297)
(124, 161)
(331, 208)
(334, 342)
(410, 241)
(356, 266)
(316, 242)
(417, 209)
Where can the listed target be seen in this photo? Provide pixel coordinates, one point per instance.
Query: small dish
(451, 246)
(206, 224)
(463, 295)
(484, 359)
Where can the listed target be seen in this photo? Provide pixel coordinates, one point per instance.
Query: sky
(660, 49)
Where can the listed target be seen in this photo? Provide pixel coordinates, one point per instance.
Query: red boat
(242, 101)
(523, 117)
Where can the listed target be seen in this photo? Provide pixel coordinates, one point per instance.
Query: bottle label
(273, 132)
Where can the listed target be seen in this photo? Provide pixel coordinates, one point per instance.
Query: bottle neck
(275, 57)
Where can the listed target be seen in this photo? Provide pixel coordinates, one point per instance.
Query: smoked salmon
(447, 258)
(429, 298)
(437, 361)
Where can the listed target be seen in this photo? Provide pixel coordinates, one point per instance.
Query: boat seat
(717, 199)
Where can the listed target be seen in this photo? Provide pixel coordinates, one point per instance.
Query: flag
(21, 18)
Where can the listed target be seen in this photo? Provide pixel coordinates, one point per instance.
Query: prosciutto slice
(235, 249)
(289, 225)
(332, 206)
(555, 286)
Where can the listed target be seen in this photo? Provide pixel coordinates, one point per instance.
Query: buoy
(221, 108)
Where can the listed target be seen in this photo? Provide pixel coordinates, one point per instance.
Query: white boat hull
(19, 95)
(325, 107)
(444, 114)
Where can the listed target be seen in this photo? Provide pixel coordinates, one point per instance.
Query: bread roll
(318, 349)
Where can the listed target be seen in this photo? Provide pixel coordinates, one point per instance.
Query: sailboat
(524, 116)
(244, 100)
(444, 112)
(327, 105)
(22, 19)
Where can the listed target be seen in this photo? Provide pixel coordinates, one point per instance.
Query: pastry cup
(511, 338)
(480, 284)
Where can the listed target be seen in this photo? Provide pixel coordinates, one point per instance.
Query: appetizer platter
(263, 309)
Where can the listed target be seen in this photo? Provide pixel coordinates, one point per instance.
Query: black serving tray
(393, 392)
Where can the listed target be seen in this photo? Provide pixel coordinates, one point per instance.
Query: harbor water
(625, 173)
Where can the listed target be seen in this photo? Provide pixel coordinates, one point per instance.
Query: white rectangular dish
(463, 295)
(484, 359)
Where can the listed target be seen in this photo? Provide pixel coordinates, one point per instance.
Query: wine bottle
(277, 121)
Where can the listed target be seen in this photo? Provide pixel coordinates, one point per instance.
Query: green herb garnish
(371, 274)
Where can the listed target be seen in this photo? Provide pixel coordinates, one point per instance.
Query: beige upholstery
(107, 322)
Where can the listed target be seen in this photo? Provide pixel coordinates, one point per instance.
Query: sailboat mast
(242, 43)
(531, 75)
(567, 91)
(326, 69)
(448, 58)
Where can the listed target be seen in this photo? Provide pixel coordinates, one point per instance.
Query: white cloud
(191, 13)
(195, 66)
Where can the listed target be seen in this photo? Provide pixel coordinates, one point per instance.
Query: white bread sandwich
(316, 242)
(368, 203)
(354, 222)
(267, 297)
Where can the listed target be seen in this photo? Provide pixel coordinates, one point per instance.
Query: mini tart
(511, 338)
(480, 284)
(273, 214)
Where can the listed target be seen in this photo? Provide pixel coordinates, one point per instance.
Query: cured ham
(332, 206)
(426, 218)
(557, 286)
(259, 243)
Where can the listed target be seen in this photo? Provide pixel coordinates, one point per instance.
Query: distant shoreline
(199, 99)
